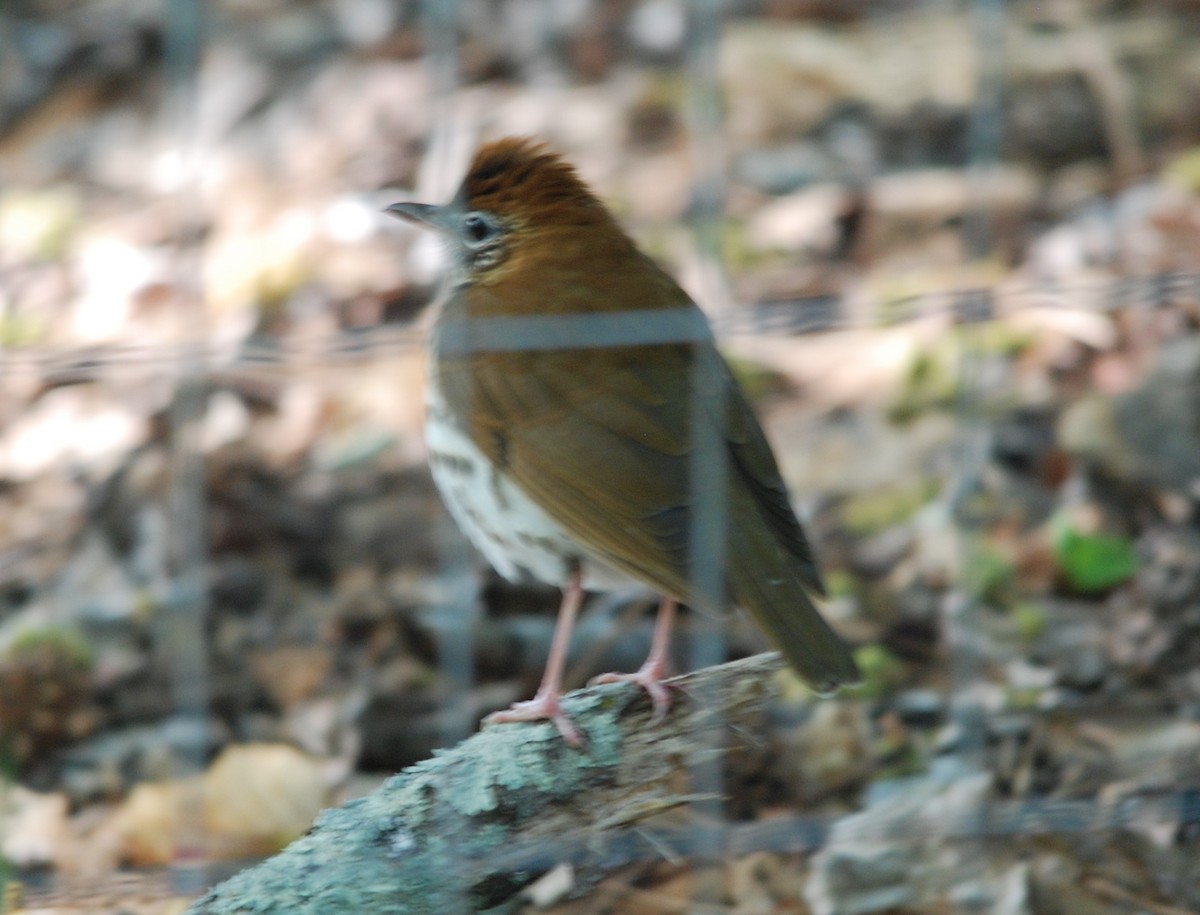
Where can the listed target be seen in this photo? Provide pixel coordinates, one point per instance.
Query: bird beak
(423, 214)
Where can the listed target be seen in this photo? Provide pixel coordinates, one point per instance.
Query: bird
(571, 386)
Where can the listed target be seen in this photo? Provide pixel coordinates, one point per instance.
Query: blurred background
(953, 250)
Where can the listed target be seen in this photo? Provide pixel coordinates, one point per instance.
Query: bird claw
(542, 707)
(649, 678)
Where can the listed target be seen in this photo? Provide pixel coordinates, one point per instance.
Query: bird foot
(650, 678)
(542, 707)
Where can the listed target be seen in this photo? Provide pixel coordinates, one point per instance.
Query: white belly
(514, 534)
(519, 539)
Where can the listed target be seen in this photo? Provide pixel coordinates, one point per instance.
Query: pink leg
(545, 705)
(650, 675)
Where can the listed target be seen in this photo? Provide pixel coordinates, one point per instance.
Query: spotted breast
(514, 534)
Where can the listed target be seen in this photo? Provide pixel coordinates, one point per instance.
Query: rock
(1074, 646)
(226, 420)
(658, 27)
(33, 826)
(827, 754)
(878, 554)
(933, 132)
(1169, 578)
(94, 584)
(1007, 894)
(915, 632)
(804, 221)
(1147, 435)
(920, 708)
(1022, 439)
(879, 859)
(862, 878)
(1010, 725)
(784, 169)
(921, 200)
(1055, 886)
(1088, 429)
(1086, 670)
(1139, 641)
(237, 584)
(364, 23)
(1054, 119)
(793, 75)
(109, 764)
(294, 35)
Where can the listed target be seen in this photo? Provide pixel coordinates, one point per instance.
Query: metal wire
(181, 633)
(801, 834)
(800, 316)
(190, 362)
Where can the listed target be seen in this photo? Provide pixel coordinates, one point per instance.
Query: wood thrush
(570, 383)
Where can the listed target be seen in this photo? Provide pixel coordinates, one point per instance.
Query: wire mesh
(188, 363)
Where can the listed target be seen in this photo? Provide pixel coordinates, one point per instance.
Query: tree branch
(466, 830)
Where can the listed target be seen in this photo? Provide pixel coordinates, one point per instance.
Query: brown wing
(602, 439)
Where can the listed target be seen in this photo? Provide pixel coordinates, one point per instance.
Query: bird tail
(769, 583)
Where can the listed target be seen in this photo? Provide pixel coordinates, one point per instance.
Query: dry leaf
(253, 800)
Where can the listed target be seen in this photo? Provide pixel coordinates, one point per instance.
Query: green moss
(1025, 698)
(882, 672)
(932, 379)
(61, 641)
(998, 338)
(989, 577)
(930, 382)
(840, 583)
(276, 284)
(1030, 619)
(739, 256)
(898, 758)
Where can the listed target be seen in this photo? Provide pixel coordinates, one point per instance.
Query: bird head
(519, 205)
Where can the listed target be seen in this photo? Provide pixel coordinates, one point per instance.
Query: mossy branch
(466, 830)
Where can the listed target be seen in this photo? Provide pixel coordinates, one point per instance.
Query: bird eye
(477, 229)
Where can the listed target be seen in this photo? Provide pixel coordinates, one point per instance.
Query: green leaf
(882, 672)
(1093, 562)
